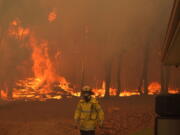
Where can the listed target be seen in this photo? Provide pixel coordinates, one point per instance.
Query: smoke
(90, 33)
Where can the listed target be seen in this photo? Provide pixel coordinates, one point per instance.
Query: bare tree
(144, 77)
(165, 78)
(119, 66)
(108, 66)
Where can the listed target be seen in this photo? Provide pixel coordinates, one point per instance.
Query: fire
(17, 31)
(100, 92)
(52, 16)
(171, 91)
(45, 83)
(113, 91)
(3, 94)
(126, 93)
(154, 88)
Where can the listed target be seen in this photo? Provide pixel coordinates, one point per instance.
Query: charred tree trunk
(162, 79)
(119, 74)
(10, 86)
(107, 77)
(144, 78)
(165, 77)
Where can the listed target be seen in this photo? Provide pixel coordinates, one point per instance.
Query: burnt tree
(143, 85)
(165, 78)
(108, 66)
(119, 63)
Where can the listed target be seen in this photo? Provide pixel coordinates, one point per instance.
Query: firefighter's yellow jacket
(89, 114)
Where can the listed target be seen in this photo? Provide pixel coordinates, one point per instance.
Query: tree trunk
(107, 77)
(144, 77)
(165, 78)
(10, 86)
(119, 75)
(162, 79)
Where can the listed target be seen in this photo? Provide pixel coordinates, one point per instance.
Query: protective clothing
(89, 115)
(92, 132)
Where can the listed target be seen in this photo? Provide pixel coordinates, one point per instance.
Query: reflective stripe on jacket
(89, 114)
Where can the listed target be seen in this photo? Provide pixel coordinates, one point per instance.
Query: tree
(144, 77)
(165, 77)
(108, 66)
(119, 66)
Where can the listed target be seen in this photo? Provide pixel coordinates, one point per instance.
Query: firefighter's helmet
(87, 90)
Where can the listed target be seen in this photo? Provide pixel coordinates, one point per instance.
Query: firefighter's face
(86, 96)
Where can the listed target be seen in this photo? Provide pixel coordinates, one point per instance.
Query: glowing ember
(52, 16)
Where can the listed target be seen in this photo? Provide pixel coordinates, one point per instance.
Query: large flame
(45, 84)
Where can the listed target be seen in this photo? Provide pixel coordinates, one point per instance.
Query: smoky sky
(89, 32)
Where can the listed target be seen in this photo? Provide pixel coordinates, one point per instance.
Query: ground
(124, 116)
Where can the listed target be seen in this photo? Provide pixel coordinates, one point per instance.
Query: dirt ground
(123, 116)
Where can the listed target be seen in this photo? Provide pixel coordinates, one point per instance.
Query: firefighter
(88, 114)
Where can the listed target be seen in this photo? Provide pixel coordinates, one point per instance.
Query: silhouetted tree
(144, 77)
(165, 78)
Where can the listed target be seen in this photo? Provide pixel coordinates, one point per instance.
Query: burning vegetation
(45, 82)
(40, 78)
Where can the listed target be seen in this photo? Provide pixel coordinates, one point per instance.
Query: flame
(176, 91)
(45, 82)
(100, 92)
(113, 91)
(52, 15)
(154, 88)
(3, 94)
(127, 93)
(17, 31)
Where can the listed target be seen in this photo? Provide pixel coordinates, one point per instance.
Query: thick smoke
(89, 34)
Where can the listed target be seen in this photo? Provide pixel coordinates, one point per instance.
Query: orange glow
(3, 94)
(129, 93)
(52, 16)
(17, 31)
(45, 83)
(113, 92)
(154, 88)
(100, 92)
(171, 91)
